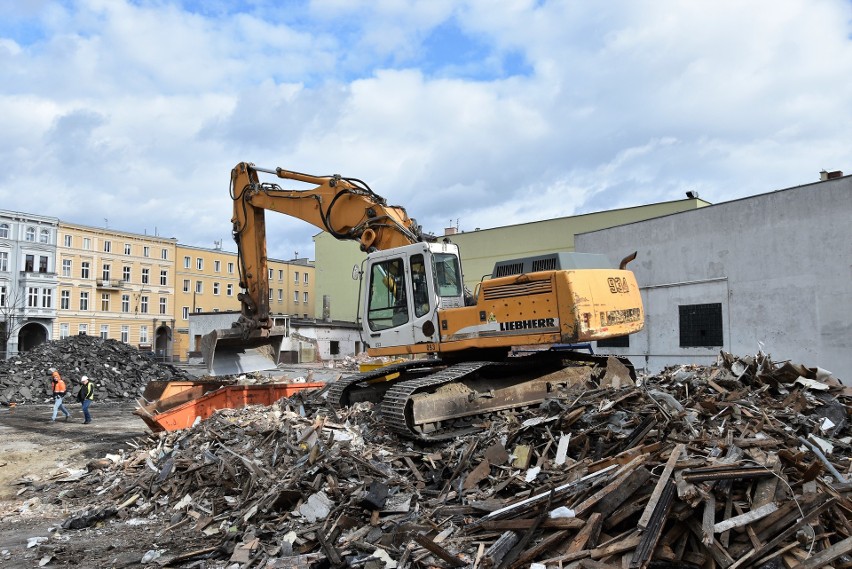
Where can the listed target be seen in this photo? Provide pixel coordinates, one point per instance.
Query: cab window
(420, 289)
(448, 275)
(387, 307)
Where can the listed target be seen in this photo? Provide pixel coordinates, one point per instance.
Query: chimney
(450, 231)
(823, 175)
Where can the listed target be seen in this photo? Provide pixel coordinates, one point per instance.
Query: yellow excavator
(501, 346)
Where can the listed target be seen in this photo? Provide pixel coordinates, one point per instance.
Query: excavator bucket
(227, 352)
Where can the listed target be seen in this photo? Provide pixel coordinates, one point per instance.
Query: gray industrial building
(771, 272)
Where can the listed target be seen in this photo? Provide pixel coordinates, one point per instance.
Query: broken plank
(661, 485)
(746, 518)
(827, 555)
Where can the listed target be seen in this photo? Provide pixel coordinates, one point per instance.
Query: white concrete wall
(779, 263)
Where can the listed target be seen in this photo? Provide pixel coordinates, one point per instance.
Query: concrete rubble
(118, 369)
(746, 463)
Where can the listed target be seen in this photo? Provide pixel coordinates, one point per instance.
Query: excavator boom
(344, 207)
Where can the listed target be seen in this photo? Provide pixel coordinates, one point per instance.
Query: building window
(84, 269)
(4, 230)
(198, 310)
(185, 285)
(44, 236)
(29, 260)
(271, 292)
(125, 333)
(164, 274)
(164, 254)
(83, 329)
(105, 272)
(616, 342)
(199, 287)
(230, 268)
(306, 278)
(146, 251)
(125, 303)
(126, 252)
(105, 301)
(217, 266)
(2, 296)
(145, 275)
(271, 274)
(104, 331)
(143, 302)
(229, 290)
(4, 261)
(125, 274)
(143, 334)
(107, 246)
(87, 243)
(199, 263)
(296, 296)
(701, 325)
(186, 262)
(46, 298)
(30, 236)
(280, 274)
(280, 295)
(296, 278)
(185, 312)
(66, 267)
(162, 305)
(84, 300)
(65, 299)
(216, 289)
(67, 240)
(334, 347)
(304, 298)
(32, 297)
(42, 264)
(64, 331)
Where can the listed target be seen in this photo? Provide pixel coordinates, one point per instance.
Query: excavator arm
(344, 207)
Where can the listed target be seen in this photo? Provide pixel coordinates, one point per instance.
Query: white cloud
(136, 111)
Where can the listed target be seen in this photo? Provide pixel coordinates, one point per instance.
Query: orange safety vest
(58, 383)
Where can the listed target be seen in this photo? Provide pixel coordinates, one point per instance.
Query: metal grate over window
(700, 325)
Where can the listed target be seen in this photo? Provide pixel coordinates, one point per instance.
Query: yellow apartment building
(116, 285)
(208, 281)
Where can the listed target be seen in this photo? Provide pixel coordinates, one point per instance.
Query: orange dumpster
(181, 410)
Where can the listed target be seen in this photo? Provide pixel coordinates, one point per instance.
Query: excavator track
(340, 392)
(445, 403)
(395, 402)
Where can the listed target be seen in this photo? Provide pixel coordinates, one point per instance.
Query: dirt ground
(39, 461)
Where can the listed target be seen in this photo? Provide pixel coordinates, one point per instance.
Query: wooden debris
(696, 466)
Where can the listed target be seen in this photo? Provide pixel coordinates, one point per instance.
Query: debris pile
(118, 370)
(742, 464)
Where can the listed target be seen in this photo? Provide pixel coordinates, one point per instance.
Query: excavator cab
(405, 288)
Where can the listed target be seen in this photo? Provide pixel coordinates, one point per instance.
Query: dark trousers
(86, 416)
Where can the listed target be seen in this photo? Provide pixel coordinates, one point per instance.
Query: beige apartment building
(116, 285)
(208, 281)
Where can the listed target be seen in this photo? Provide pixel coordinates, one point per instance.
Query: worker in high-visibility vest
(85, 396)
(59, 390)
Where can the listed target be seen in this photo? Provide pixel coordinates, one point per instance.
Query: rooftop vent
(823, 175)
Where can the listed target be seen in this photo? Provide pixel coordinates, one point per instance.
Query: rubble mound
(741, 464)
(118, 370)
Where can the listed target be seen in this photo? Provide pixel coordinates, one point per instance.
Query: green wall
(479, 249)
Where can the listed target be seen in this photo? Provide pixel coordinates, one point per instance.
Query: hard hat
(84, 379)
(51, 370)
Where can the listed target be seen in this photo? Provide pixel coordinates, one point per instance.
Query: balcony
(31, 278)
(110, 284)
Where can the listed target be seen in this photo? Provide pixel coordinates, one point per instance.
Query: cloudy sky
(131, 113)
